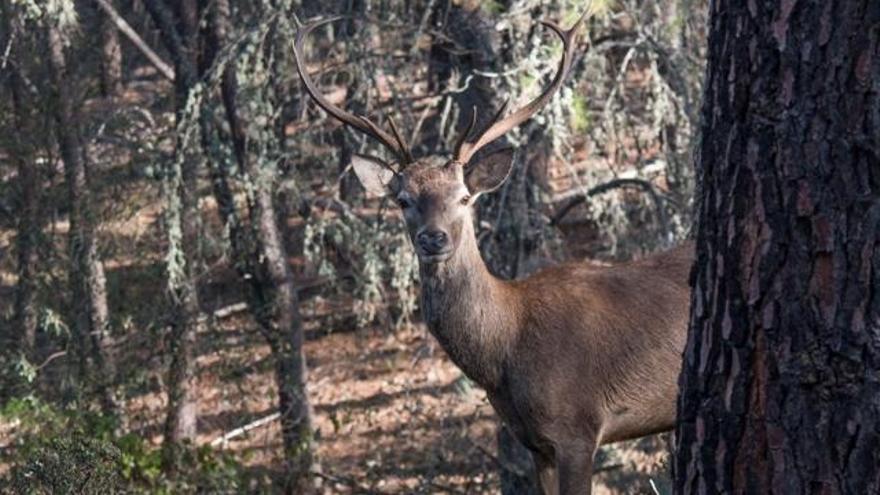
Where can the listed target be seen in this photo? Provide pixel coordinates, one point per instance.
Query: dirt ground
(393, 415)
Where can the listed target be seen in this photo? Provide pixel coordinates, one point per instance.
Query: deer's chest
(477, 357)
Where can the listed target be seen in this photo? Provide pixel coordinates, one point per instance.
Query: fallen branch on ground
(225, 438)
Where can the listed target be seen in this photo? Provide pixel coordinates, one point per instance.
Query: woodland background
(197, 296)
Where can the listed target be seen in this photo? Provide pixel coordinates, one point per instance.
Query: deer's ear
(376, 176)
(489, 173)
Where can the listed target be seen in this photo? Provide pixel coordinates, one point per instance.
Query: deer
(571, 357)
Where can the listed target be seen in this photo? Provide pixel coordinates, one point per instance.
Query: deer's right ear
(490, 173)
(376, 176)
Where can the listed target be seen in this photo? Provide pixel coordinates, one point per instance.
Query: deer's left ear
(489, 173)
(375, 175)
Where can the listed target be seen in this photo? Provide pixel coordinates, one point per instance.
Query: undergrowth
(68, 451)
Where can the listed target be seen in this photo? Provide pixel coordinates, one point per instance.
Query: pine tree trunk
(27, 229)
(89, 291)
(781, 378)
(25, 309)
(187, 320)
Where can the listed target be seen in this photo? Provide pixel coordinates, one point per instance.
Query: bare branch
(226, 437)
(608, 186)
(136, 40)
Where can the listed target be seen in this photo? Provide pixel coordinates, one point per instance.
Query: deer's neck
(471, 312)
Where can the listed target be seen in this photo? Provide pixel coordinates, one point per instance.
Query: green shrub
(59, 451)
(69, 465)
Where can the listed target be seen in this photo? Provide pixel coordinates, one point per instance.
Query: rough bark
(262, 261)
(187, 322)
(781, 377)
(180, 32)
(88, 282)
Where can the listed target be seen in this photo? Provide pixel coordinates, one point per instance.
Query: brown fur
(571, 357)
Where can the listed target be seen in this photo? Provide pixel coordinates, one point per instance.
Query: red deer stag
(573, 356)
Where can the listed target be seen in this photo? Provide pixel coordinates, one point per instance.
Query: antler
(394, 141)
(465, 149)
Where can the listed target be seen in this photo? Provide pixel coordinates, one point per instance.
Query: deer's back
(601, 345)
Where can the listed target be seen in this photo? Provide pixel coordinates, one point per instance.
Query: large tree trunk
(262, 260)
(781, 378)
(180, 32)
(88, 282)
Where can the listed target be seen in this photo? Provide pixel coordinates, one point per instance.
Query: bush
(69, 465)
(59, 451)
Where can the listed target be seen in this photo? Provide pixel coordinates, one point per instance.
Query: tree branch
(225, 438)
(136, 40)
(602, 188)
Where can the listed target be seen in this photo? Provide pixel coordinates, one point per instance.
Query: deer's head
(436, 193)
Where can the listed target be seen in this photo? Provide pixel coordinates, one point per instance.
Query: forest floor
(393, 415)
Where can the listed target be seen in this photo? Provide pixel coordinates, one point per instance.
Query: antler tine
(357, 122)
(473, 123)
(466, 149)
(401, 144)
(468, 130)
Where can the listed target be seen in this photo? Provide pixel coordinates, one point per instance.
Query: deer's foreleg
(574, 463)
(548, 475)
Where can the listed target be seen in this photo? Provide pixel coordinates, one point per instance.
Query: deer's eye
(404, 203)
(466, 199)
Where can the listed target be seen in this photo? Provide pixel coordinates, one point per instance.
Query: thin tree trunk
(28, 194)
(27, 228)
(781, 377)
(89, 291)
(262, 259)
(281, 320)
(111, 56)
(180, 33)
(188, 322)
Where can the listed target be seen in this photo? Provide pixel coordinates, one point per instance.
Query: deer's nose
(433, 241)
